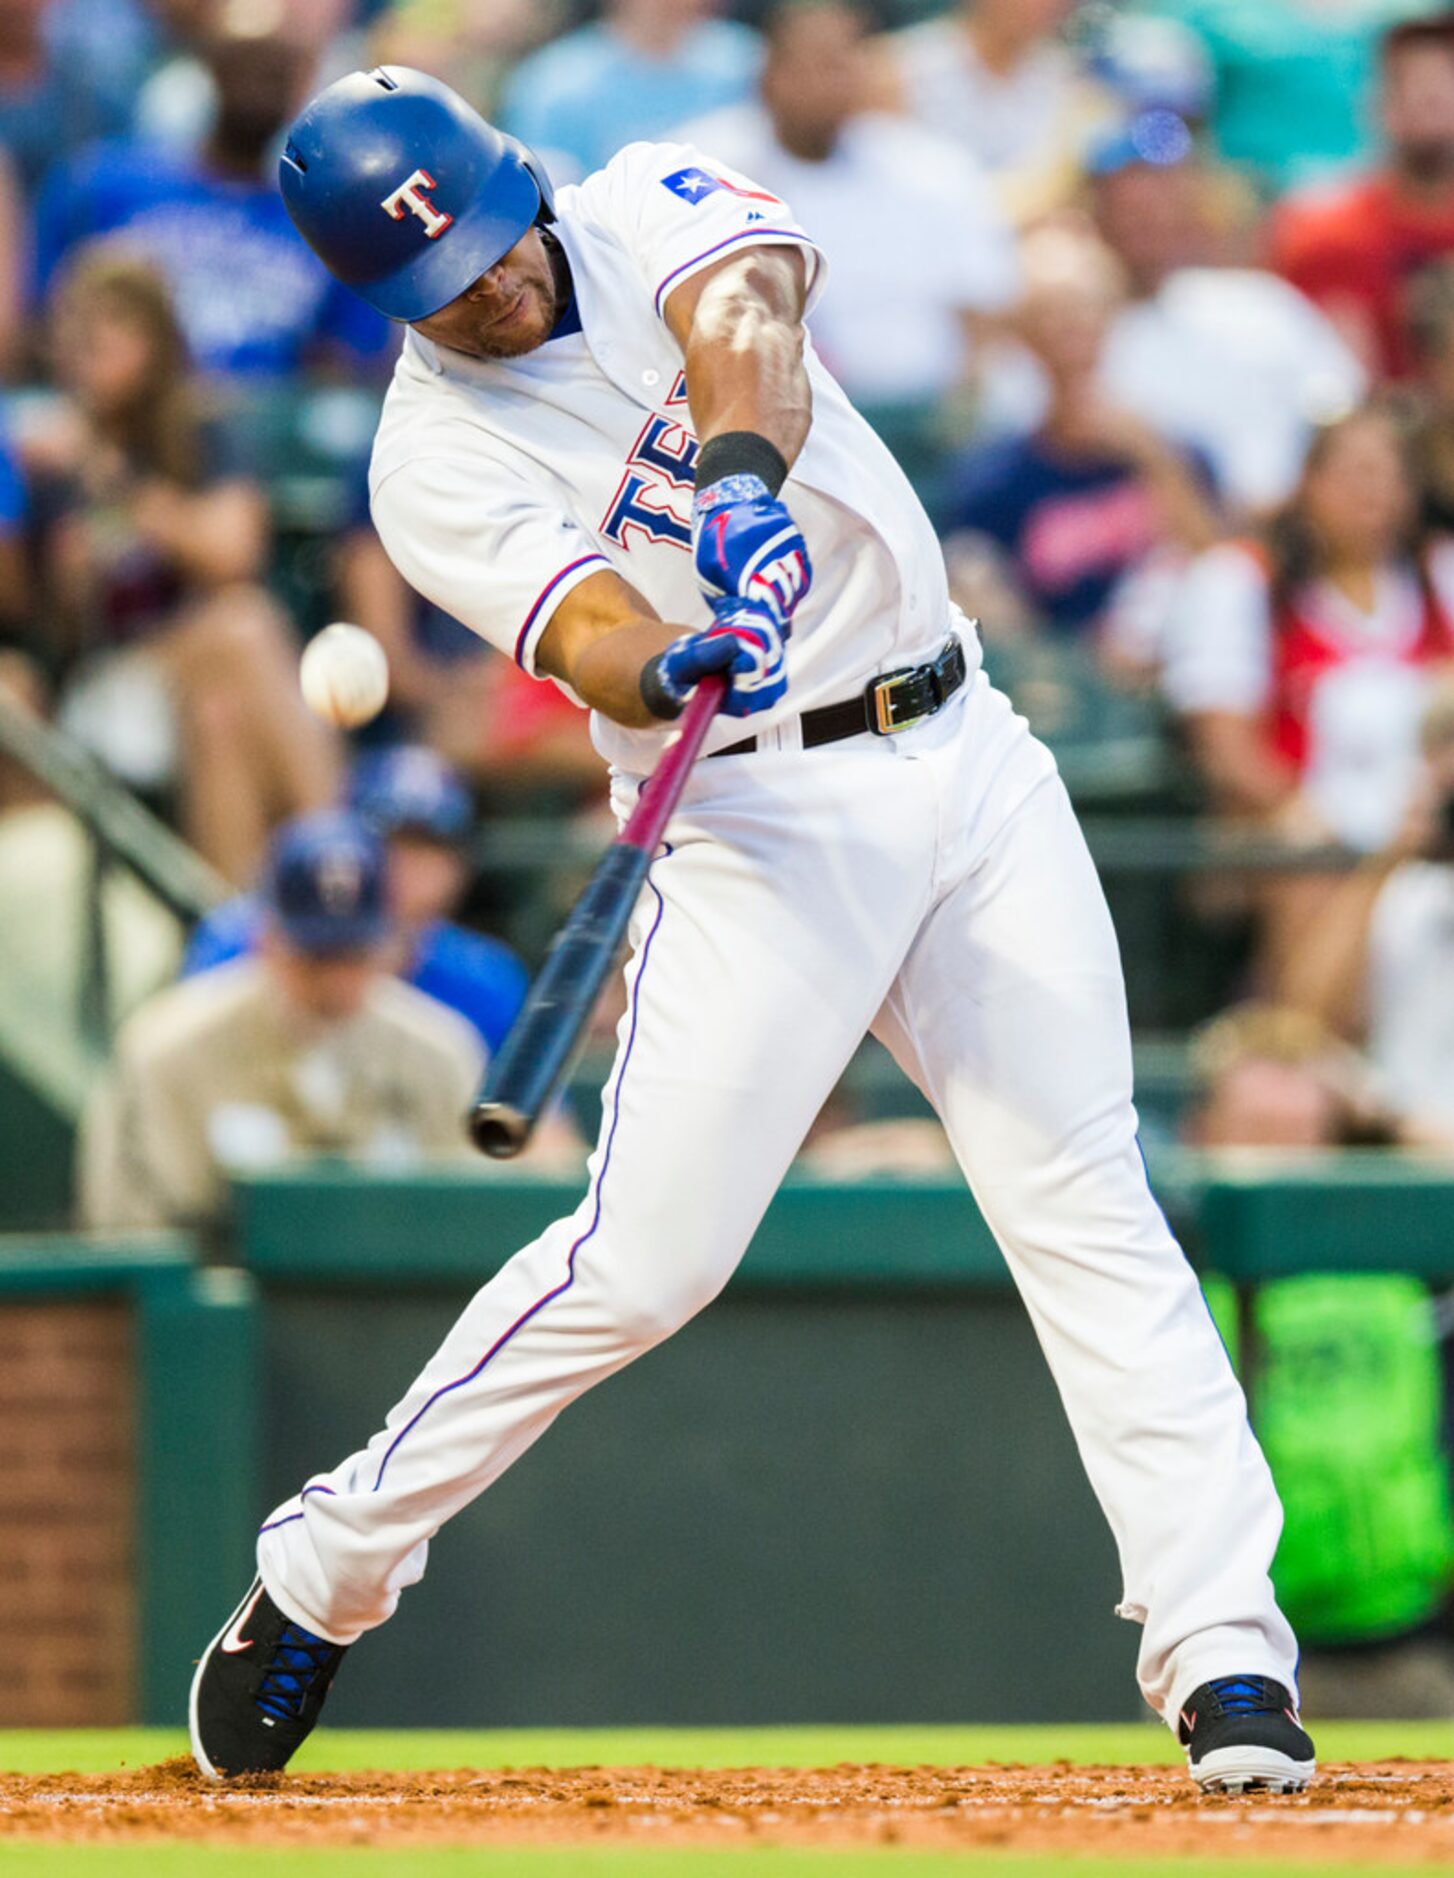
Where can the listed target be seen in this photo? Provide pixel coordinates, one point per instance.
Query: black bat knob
(499, 1130)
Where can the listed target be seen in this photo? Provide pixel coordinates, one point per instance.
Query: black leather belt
(896, 701)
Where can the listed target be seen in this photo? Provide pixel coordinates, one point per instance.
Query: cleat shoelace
(1248, 1695)
(293, 1671)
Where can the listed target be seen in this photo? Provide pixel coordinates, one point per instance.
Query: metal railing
(123, 832)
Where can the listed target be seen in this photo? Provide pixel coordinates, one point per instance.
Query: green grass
(154, 1861)
(99, 1750)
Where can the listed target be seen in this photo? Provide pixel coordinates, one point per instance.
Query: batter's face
(509, 310)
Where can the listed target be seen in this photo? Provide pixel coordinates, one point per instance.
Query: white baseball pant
(934, 887)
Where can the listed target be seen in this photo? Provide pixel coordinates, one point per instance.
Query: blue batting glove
(747, 547)
(744, 640)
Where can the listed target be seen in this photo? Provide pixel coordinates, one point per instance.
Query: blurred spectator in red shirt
(153, 541)
(1301, 662)
(1355, 249)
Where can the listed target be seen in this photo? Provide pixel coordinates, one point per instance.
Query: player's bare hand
(747, 547)
(744, 640)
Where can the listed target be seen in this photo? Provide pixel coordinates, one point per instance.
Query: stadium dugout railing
(1249, 1215)
(123, 833)
(50, 1049)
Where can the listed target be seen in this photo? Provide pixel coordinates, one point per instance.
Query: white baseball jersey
(498, 485)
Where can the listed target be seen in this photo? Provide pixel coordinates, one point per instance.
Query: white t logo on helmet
(410, 195)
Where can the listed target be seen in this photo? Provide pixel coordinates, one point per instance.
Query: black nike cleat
(258, 1690)
(1242, 1735)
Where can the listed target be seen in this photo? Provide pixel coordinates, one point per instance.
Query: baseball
(344, 676)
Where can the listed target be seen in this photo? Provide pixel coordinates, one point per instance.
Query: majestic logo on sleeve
(410, 196)
(693, 184)
(653, 500)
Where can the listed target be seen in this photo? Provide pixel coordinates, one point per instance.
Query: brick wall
(67, 1493)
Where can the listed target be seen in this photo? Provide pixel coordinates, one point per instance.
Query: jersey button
(649, 377)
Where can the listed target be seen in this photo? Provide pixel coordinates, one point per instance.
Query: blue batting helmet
(404, 192)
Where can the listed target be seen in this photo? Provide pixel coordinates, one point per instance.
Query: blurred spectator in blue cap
(1153, 64)
(414, 801)
(325, 897)
(253, 301)
(310, 1047)
(1231, 361)
(644, 67)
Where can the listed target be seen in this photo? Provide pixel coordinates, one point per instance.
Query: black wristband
(741, 453)
(655, 696)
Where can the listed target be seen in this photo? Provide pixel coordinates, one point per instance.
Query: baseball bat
(533, 1058)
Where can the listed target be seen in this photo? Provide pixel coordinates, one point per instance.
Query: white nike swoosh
(234, 1640)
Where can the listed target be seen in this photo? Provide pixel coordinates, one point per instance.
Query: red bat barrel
(533, 1059)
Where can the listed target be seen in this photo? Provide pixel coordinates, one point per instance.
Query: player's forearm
(607, 673)
(599, 638)
(742, 338)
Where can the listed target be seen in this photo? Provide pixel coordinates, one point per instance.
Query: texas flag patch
(692, 184)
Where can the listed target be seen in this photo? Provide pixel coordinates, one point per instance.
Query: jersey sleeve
(678, 210)
(495, 556)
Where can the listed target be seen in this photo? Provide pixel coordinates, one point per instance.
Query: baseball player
(609, 448)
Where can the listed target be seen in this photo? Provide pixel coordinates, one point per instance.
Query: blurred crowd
(1154, 300)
